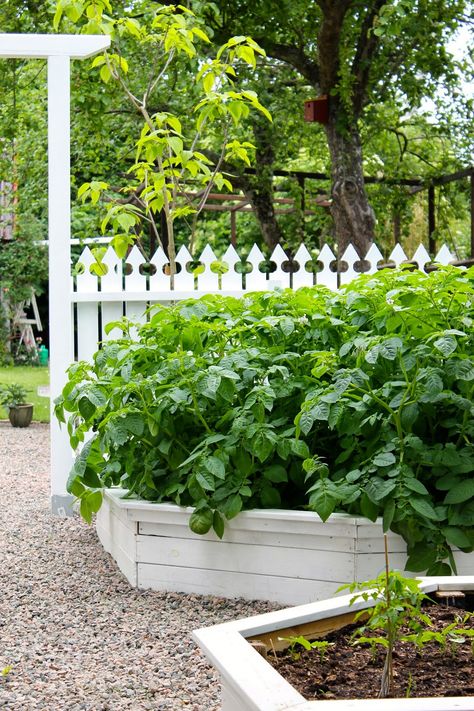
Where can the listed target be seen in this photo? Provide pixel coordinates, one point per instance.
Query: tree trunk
(353, 217)
(259, 188)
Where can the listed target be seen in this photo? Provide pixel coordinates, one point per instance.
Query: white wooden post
(60, 307)
(58, 50)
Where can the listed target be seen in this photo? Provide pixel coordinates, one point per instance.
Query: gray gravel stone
(77, 636)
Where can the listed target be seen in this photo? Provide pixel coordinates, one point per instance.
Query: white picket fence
(129, 286)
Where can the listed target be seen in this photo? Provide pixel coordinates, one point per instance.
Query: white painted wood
(112, 281)
(368, 566)
(302, 277)
(86, 280)
(208, 281)
(326, 277)
(421, 257)
(350, 257)
(87, 313)
(374, 256)
(111, 311)
(324, 541)
(159, 281)
(444, 256)
(265, 560)
(184, 281)
(397, 255)
(154, 296)
(44, 46)
(279, 278)
(283, 556)
(134, 281)
(255, 280)
(118, 537)
(57, 49)
(251, 684)
(232, 584)
(87, 330)
(59, 219)
(231, 279)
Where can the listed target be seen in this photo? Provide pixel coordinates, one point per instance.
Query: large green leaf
(215, 466)
(456, 537)
(423, 507)
(461, 492)
(377, 488)
(201, 521)
(420, 558)
(384, 459)
(275, 473)
(446, 345)
(323, 503)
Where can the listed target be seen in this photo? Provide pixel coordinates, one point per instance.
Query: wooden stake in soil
(386, 684)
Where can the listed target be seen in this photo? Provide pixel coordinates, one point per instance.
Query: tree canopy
(377, 61)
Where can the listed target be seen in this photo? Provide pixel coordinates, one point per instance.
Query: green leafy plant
(448, 638)
(397, 616)
(301, 641)
(13, 394)
(397, 608)
(172, 173)
(358, 401)
(6, 671)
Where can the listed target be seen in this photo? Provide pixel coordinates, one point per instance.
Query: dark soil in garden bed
(351, 672)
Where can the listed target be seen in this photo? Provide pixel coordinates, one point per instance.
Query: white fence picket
(350, 257)
(208, 281)
(231, 280)
(302, 277)
(373, 256)
(184, 280)
(326, 277)
(398, 256)
(112, 281)
(159, 281)
(126, 289)
(444, 256)
(279, 278)
(421, 257)
(87, 311)
(134, 280)
(255, 280)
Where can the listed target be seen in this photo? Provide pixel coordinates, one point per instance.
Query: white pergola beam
(43, 46)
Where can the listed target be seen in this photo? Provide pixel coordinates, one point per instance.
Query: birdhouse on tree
(317, 110)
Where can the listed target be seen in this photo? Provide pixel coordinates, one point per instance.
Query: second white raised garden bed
(289, 557)
(250, 683)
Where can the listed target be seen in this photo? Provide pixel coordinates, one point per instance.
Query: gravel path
(75, 634)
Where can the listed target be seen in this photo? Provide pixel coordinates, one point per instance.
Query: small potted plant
(13, 397)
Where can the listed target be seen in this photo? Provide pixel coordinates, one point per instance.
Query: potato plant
(357, 401)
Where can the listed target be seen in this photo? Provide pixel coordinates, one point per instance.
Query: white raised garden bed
(289, 557)
(250, 683)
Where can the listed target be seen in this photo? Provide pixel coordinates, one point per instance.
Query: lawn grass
(30, 377)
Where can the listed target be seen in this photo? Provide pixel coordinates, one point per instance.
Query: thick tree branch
(295, 57)
(367, 46)
(329, 41)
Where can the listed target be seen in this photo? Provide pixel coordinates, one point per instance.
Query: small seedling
(398, 615)
(294, 642)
